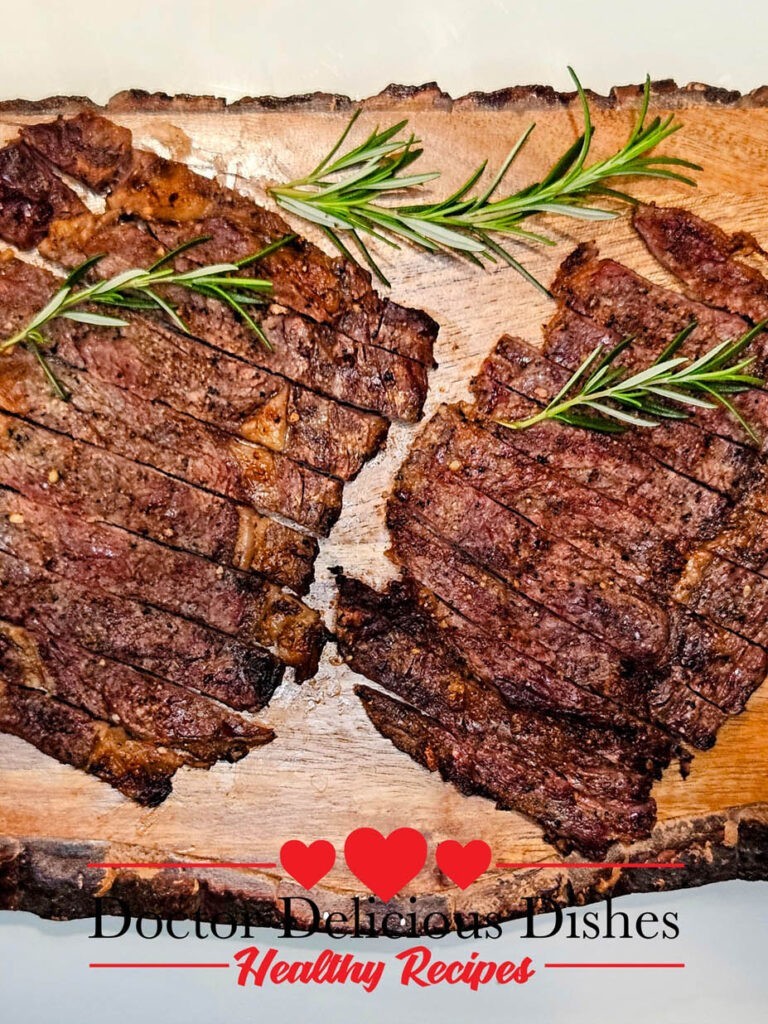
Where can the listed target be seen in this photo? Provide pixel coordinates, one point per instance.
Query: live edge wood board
(329, 771)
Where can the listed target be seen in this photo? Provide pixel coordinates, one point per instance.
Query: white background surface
(255, 47)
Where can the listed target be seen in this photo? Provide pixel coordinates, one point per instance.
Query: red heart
(463, 864)
(307, 864)
(385, 865)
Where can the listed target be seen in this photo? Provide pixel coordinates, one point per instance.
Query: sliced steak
(100, 154)
(702, 256)
(515, 376)
(558, 772)
(99, 485)
(258, 613)
(314, 355)
(146, 707)
(86, 146)
(711, 663)
(616, 297)
(161, 365)
(140, 770)
(179, 204)
(525, 682)
(147, 638)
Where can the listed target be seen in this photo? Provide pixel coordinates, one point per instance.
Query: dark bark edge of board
(665, 92)
(51, 878)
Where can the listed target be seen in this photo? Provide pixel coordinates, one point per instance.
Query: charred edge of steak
(101, 556)
(461, 761)
(148, 708)
(392, 639)
(140, 635)
(139, 770)
(99, 153)
(31, 197)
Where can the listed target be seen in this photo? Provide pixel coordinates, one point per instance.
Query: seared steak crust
(702, 256)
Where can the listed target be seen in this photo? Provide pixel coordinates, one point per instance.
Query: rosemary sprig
(601, 396)
(342, 193)
(138, 289)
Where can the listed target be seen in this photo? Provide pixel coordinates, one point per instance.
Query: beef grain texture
(145, 537)
(578, 581)
(585, 784)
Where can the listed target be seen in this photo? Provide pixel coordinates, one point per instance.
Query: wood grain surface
(329, 771)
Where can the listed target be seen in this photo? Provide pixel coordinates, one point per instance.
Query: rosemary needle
(342, 194)
(600, 396)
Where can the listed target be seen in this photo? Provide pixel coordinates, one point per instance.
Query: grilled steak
(165, 193)
(140, 770)
(144, 524)
(585, 784)
(154, 363)
(258, 613)
(100, 485)
(702, 256)
(200, 730)
(31, 197)
(617, 298)
(148, 638)
(613, 584)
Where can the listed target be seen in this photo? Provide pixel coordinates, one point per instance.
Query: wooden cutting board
(329, 771)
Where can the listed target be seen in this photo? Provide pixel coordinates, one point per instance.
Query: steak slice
(146, 707)
(525, 682)
(314, 355)
(179, 446)
(161, 365)
(179, 204)
(87, 147)
(31, 197)
(516, 378)
(548, 572)
(713, 664)
(558, 772)
(139, 770)
(99, 485)
(702, 256)
(97, 555)
(616, 297)
(147, 638)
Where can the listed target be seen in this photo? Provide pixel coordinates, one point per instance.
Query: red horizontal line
(158, 965)
(183, 864)
(614, 965)
(590, 864)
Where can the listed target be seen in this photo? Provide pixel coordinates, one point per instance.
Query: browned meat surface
(258, 613)
(616, 584)
(31, 197)
(179, 204)
(140, 770)
(146, 707)
(145, 523)
(616, 298)
(99, 485)
(174, 648)
(586, 784)
(152, 362)
(702, 256)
